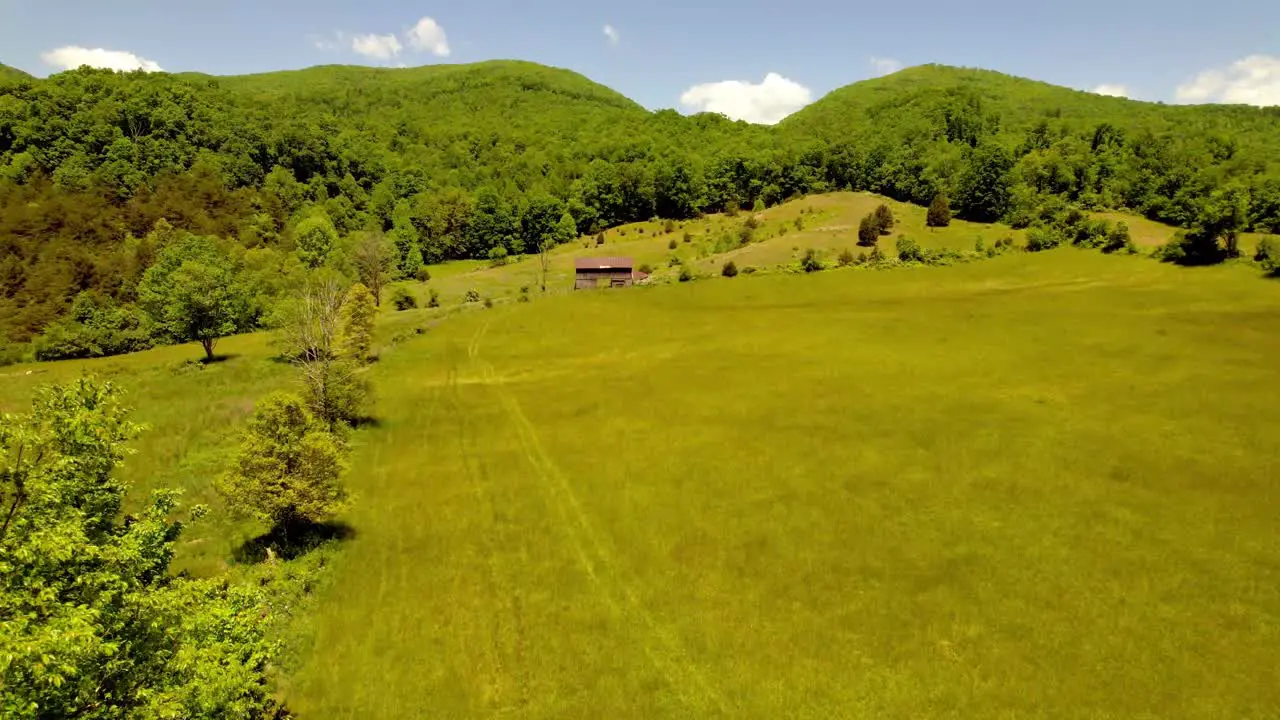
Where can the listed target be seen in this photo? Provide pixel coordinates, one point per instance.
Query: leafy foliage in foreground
(507, 158)
(94, 626)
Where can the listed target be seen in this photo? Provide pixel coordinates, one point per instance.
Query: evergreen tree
(884, 219)
(358, 313)
(869, 231)
(939, 214)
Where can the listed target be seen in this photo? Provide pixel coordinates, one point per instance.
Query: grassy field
(1041, 485)
(1038, 486)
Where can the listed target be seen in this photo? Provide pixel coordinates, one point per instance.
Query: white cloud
(427, 35)
(766, 102)
(379, 47)
(885, 66)
(1112, 90)
(71, 57)
(611, 32)
(1254, 80)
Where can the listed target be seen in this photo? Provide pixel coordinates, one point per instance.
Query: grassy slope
(1038, 485)
(12, 74)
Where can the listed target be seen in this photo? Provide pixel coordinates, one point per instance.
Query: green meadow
(1039, 485)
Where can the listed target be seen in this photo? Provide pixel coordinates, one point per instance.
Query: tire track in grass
(664, 649)
(504, 622)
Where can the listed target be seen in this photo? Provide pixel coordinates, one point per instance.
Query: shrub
(497, 256)
(434, 300)
(1117, 239)
(668, 227)
(685, 274)
(640, 230)
(746, 234)
(524, 293)
(729, 269)
(645, 268)
(488, 302)
(1268, 252)
(750, 270)
(688, 236)
(861, 259)
(939, 214)
(883, 219)
(799, 222)
(876, 255)
(402, 299)
(673, 261)
(472, 295)
(95, 327)
(979, 246)
(868, 231)
(672, 245)
(423, 274)
(758, 205)
(910, 251)
(810, 262)
(751, 222)
(600, 237)
(1041, 238)
(846, 258)
(731, 208)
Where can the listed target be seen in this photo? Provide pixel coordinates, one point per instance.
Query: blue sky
(1176, 50)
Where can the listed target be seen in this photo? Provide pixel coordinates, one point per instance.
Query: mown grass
(1036, 486)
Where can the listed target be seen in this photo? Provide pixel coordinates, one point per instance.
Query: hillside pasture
(1041, 485)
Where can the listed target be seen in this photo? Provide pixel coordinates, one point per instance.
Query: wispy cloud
(1254, 80)
(611, 33)
(765, 102)
(73, 56)
(885, 66)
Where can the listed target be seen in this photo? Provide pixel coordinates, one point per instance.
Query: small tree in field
(939, 214)
(730, 269)
(374, 258)
(358, 314)
(288, 471)
(310, 334)
(193, 294)
(868, 231)
(884, 219)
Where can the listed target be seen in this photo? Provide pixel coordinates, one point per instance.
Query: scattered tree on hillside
(868, 231)
(193, 294)
(884, 219)
(939, 214)
(374, 258)
(402, 299)
(810, 262)
(96, 625)
(729, 269)
(358, 313)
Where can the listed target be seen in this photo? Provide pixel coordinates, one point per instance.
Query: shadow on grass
(294, 541)
(366, 422)
(218, 359)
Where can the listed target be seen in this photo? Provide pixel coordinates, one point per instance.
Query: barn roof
(604, 263)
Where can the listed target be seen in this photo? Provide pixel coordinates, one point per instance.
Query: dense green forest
(282, 171)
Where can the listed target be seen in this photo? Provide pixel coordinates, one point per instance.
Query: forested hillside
(284, 170)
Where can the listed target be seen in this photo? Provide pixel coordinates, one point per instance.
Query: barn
(590, 273)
